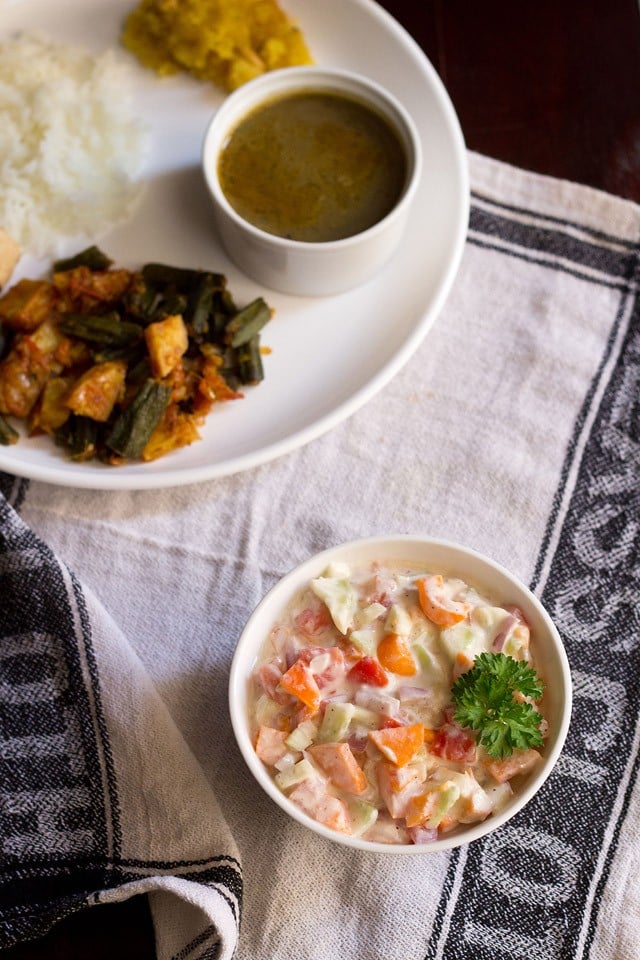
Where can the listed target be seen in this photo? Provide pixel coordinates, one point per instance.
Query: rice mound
(70, 146)
(226, 42)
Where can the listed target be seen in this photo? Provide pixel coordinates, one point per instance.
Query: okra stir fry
(121, 365)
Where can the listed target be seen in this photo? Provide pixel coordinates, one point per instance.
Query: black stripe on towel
(533, 888)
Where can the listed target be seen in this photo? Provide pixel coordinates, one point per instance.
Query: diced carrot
(270, 745)
(300, 683)
(438, 608)
(399, 744)
(395, 656)
(420, 807)
(520, 761)
(462, 664)
(340, 765)
(447, 823)
(397, 785)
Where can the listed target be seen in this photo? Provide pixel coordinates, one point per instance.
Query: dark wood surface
(552, 86)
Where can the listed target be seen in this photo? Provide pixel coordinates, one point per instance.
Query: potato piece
(26, 305)
(51, 411)
(23, 374)
(166, 341)
(85, 285)
(176, 429)
(95, 393)
(9, 255)
(48, 338)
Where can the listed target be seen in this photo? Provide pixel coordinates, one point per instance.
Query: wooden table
(552, 86)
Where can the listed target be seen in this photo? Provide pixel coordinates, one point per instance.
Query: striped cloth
(514, 429)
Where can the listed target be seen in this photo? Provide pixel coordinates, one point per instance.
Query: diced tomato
(269, 676)
(311, 796)
(453, 743)
(383, 591)
(368, 670)
(391, 722)
(313, 620)
(270, 745)
(327, 664)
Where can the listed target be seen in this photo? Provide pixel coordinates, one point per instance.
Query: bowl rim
(282, 81)
(248, 647)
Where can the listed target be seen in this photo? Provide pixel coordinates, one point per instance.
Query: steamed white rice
(71, 148)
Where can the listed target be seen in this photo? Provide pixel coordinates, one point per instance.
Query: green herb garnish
(485, 702)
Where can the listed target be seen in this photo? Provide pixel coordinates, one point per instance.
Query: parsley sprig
(485, 702)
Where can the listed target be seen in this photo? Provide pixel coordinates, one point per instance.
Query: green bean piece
(200, 305)
(80, 437)
(169, 307)
(139, 372)
(131, 353)
(226, 302)
(107, 330)
(7, 433)
(140, 300)
(5, 340)
(247, 323)
(182, 278)
(249, 361)
(92, 257)
(130, 433)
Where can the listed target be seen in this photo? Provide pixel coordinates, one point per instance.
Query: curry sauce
(313, 166)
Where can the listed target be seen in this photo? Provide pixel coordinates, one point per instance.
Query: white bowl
(450, 559)
(294, 266)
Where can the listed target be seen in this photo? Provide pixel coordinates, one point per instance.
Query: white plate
(329, 356)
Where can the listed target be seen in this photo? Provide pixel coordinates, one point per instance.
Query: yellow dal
(227, 42)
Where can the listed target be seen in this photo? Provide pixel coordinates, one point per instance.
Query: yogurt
(351, 707)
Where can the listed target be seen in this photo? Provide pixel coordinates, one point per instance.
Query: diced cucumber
(266, 710)
(464, 638)
(368, 614)
(304, 734)
(490, 618)
(428, 662)
(335, 723)
(365, 640)
(398, 621)
(296, 774)
(365, 718)
(517, 645)
(340, 598)
(448, 793)
(338, 570)
(363, 816)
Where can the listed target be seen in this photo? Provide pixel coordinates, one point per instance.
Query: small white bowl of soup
(312, 172)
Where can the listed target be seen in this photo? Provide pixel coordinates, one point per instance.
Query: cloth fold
(514, 429)
(95, 772)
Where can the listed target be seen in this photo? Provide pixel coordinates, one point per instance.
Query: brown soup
(313, 166)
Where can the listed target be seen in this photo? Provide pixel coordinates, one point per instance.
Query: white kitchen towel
(515, 428)
(94, 772)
